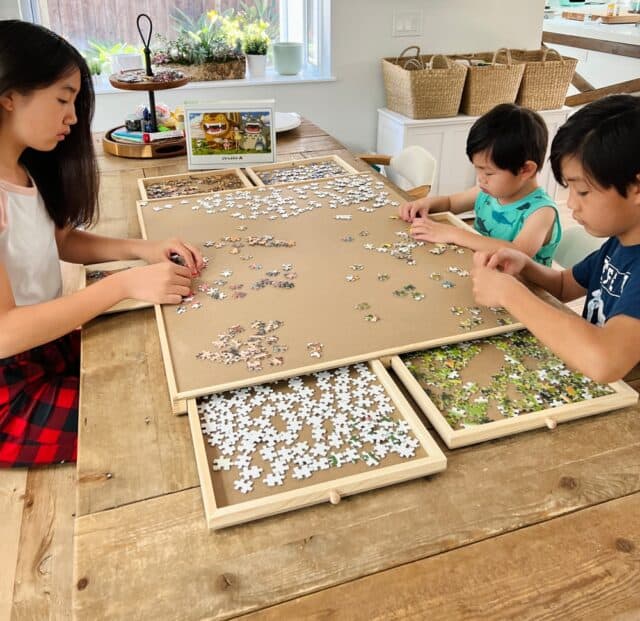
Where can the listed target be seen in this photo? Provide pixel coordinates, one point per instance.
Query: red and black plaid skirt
(39, 404)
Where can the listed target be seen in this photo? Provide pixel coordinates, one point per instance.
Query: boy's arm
(456, 203)
(531, 238)
(463, 201)
(604, 354)
(536, 232)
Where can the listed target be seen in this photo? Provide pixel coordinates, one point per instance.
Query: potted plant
(255, 46)
(208, 48)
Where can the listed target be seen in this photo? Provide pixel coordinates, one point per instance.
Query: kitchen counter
(618, 33)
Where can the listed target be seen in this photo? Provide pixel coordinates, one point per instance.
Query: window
(95, 32)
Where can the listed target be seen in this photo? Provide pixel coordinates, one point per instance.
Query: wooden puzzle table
(545, 523)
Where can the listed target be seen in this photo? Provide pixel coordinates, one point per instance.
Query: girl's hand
(507, 260)
(159, 283)
(414, 209)
(156, 251)
(425, 229)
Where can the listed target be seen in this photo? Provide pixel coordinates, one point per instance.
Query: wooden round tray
(147, 86)
(160, 148)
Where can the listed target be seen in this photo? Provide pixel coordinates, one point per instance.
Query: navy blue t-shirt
(611, 277)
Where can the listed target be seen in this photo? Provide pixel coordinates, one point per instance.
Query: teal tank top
(506, 221)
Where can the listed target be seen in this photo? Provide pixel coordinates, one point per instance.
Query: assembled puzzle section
(283, 446)
(489, 388)
(300, 170)
(305, 277)
(192, 184)
(97, 271)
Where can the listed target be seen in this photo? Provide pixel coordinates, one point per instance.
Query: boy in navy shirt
(596, 154)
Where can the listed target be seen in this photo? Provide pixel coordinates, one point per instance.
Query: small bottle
(132, 123)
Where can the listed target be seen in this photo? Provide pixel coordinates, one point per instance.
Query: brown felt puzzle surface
(304, 277)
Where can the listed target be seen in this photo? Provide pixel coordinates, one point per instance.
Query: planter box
(230, 70)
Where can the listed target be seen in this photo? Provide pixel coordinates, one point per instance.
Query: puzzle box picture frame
(145, 182)
(228, 134)
(108, 268)
(220, 515)
(340, 167)
(621, 395)
(367, 339)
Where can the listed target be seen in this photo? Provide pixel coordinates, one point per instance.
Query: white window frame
(294, 26)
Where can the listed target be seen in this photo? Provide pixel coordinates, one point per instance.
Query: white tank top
(28, 247)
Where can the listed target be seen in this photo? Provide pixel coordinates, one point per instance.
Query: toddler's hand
(413, 209)
(425, 229)
(159, 283)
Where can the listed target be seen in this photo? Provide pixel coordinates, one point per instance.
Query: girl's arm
(534, 234)
(605, 354)
(77, 246)
(25, 327)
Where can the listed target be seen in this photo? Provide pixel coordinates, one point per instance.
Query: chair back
(575, 245)
(414, 166)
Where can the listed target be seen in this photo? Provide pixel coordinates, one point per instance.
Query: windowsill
(271, 79)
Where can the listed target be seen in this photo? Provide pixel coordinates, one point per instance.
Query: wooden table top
(544, 524)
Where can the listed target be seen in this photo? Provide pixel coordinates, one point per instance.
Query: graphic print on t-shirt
(612, 279)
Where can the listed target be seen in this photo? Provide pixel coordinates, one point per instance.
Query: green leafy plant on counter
(213, 37)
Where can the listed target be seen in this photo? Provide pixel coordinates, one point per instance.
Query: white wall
(361, 36)
(9, 9)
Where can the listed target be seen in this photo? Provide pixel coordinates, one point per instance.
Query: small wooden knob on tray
(334, 497)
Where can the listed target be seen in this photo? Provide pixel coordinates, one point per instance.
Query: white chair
(575, 245)
(412, 170)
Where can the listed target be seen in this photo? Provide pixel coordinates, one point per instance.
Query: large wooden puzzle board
(501, 385)
(305, 277)
(312, 439)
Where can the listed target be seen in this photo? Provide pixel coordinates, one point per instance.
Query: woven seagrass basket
(230, 70)
(546, 79)
(423, 86)
(489, 82)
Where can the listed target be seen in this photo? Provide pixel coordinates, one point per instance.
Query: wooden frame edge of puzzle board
(623, 396)
(252, 171)
(329, 491)
(177, 396)
(144, 181)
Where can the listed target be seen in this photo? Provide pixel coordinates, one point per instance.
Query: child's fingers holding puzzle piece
(489, 286)
(159, 283)
(508, 260)
(409, 211)
(191, 256)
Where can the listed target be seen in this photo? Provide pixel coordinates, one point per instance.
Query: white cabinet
(446, 140)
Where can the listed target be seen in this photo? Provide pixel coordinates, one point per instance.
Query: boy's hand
(507, 260)
(425, 229)
(490, 286)
(159, 283)
(414, 209)
(156, 251)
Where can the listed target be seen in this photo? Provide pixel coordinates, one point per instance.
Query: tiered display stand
(168, 147)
